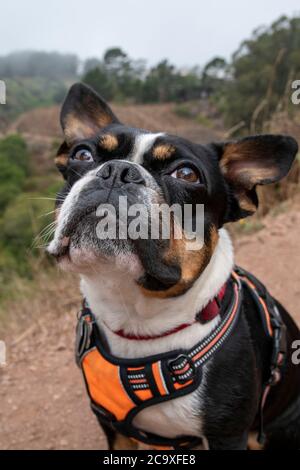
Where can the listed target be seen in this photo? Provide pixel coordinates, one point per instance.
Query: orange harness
(120, 388)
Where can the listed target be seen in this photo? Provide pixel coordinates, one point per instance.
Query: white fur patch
(117, 301)
(143, 143)
(66, 210)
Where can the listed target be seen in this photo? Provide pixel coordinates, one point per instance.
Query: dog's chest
(175, 417)
(178, 417)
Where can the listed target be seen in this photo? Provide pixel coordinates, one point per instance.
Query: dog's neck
(119, 304)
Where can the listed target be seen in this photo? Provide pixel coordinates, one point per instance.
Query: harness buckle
(177, 367)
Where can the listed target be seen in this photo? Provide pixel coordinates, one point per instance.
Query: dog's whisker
(45, 230)
(47, 213)
(76, 173)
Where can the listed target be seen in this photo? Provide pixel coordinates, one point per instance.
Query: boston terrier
(150, 296)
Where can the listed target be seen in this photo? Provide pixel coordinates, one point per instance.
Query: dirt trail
(43, 403)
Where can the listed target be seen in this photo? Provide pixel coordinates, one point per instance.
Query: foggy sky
(186, 32)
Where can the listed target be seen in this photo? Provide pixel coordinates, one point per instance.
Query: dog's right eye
(84, 155)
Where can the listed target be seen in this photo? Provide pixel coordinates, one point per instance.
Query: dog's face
(103, 160)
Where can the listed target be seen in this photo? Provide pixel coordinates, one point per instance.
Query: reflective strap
(262, 303)
(184, 367)
(159, 378)
(274, 329)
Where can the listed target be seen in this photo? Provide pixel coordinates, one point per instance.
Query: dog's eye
(83, 155)
(187, 174)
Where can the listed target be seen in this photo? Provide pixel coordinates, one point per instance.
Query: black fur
(234, 384)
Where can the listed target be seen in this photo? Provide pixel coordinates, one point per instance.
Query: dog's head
(105, 162)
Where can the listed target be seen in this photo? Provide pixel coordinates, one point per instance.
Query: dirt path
(43, 403)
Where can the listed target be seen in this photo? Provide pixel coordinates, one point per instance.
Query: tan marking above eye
(108, 142)
(163, 151)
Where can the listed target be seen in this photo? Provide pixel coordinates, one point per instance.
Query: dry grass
(49, 293)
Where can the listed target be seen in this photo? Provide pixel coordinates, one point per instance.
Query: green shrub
(184, 111)
(25, 93)
(204, 121)
(14, 167)
(14, 149)
(21, 223)
(11, 181)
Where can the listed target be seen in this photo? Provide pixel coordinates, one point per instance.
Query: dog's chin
(90, 260)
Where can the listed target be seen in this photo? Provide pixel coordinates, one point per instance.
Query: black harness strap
(275, 329)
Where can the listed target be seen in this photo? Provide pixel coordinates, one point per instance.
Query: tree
(159, 83)
(213, 75)
(116, 76)
(115, 60)
(260, 72)
(99, 79)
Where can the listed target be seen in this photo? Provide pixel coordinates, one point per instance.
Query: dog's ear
(254, 160)
(84, 113)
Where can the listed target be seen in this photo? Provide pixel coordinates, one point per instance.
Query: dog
(145, 294)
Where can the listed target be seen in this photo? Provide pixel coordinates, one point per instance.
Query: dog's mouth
(61, 249)
(78, 247)
(64, 249)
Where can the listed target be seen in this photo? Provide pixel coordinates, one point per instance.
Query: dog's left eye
(187, 174)
(83, 155)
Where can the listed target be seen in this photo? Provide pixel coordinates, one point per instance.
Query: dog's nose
(117, 173)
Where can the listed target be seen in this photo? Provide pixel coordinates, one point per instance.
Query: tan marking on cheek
(192, 264)
(109, 142)
(61, 160)
(163, 151)
(124, 443)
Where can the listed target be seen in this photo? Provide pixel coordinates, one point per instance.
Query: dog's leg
(229, 443)
(117, 441)
(124, 443)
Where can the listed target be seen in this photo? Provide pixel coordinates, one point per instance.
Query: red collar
(209, 312)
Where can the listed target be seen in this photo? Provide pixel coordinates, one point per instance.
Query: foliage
(248, 89)
(21, 207)
(117, 77)
(258, 80)
(14, 149)
(14, 166)
(24, 94)
(20, 223)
